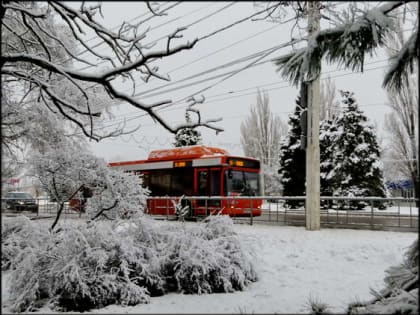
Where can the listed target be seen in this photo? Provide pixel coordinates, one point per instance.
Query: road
(344, 219)
(331, 219)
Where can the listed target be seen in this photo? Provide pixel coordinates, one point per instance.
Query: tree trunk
(416, 184)
(57, 217)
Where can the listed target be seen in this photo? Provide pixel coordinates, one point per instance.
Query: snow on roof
(194, 151)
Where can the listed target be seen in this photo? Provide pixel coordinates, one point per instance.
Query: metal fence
(400, 214)
(45, 209)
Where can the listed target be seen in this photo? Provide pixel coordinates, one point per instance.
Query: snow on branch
(194, 101)
(347, 44)
(40, 42)
(402, 62)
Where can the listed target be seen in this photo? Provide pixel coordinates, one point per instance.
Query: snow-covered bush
(208, 259)
(315, 306)
(352, 191)
(402, 288)
(19, 236)
(116, 194)
(82, 266)
(182, 208)
(78, 268)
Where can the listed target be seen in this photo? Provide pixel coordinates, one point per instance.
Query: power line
(156, 40)
(253, 93)
(287, 85)
(220, 29)
(211, 34)
(235, 72)
(223, 66)
(269, 84)
(118, 26)
(215, 52)
(224, 48)
(168, 34)
(213, 69)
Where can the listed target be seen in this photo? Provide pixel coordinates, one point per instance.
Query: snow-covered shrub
(218, 226)
(352, 191)
(400, 296)
(95, 268)
(197, 258)
(18, 236)
(316, 306)
(78, 268)
(121, 193)
(208, 259)
(82, 266)
(182, 208)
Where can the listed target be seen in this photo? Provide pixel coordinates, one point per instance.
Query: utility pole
(312, 205)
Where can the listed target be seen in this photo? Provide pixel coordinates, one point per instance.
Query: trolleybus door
(207, 184)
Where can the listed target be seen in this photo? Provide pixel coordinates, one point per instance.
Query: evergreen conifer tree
(357, 170)
(326, 141)
(293, 160)
(187, 136)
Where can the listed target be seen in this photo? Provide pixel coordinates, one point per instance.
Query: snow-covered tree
(42, 41)
(329, 105)
(293, 159)
(356, 32)
(357, 170)
(65, 175)
(260, 138)
(65, 169)
(187, 136)
(327, 131)
(402, 123)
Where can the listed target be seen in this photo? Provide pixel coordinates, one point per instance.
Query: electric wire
(125, 119)
(168, 34)
(118, 26)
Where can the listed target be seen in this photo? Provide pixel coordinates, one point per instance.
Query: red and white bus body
(199, 171)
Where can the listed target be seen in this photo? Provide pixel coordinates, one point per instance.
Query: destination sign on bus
(243, 163)
(183, 164)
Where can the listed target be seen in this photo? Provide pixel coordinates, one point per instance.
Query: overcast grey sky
(232, 98)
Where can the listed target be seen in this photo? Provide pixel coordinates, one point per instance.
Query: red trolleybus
(195, 171)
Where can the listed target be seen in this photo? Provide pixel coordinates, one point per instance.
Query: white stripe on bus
(207, 162)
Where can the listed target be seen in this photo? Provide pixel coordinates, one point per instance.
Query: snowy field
(335, 266)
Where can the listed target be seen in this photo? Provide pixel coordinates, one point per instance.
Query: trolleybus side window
(209, 185)
(182, 182)
(202, 183)
(215, 183)
(159, 183)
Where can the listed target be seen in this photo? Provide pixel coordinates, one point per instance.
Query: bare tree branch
(101, 212)
(39, 42)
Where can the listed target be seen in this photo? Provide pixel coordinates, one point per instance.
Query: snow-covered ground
(335, 266)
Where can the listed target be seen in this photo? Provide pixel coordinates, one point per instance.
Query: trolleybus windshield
(241, 183)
